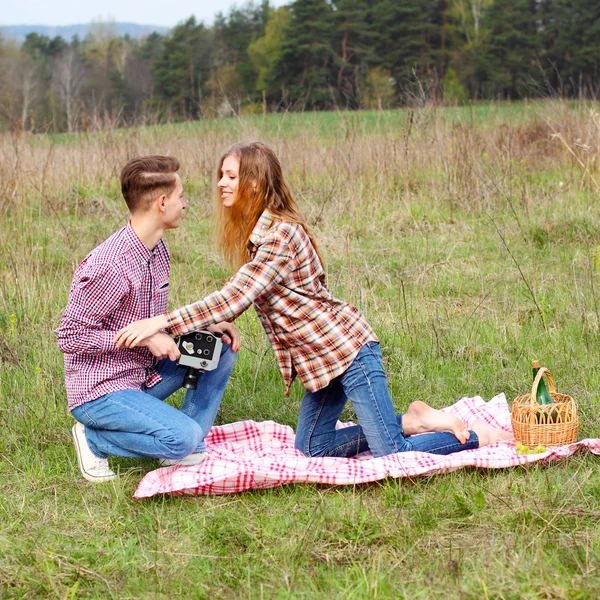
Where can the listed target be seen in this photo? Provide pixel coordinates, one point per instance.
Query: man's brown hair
(144, 178)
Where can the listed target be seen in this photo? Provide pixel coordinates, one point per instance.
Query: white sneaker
(195, 458)
(92, 468)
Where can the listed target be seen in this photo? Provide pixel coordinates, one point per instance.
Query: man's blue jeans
(380, 429)
(139, 424)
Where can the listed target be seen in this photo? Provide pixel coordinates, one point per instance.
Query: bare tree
(18, 83)
(470, 13)
(67, 77)
(28, 85)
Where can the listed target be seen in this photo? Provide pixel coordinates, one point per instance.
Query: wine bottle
(542, 394)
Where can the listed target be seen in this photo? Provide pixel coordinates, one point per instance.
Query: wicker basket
(544, 424)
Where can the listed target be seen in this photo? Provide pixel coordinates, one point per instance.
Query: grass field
(471, 240)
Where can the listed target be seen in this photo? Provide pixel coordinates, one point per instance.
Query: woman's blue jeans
(380, 429)
(139, 424)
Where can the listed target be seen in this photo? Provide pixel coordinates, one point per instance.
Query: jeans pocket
(373, 348)
(372, 351)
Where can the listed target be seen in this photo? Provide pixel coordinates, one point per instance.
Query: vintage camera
(200, 351)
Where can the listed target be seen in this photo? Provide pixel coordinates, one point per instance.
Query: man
(116, 395)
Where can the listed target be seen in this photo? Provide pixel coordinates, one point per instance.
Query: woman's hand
(229, 333)
(131, 335)
(162, 345)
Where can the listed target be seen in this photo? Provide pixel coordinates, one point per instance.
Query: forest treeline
(307, 55)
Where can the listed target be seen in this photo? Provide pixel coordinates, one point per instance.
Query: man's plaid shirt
(314, 335)
(120, 281)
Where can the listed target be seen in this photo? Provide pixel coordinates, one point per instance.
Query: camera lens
(190, 380)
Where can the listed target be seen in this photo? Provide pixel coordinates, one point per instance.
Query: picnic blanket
(250, 455)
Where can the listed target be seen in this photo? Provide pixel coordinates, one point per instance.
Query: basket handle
(536, 382)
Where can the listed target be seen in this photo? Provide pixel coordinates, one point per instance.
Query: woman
(326, 342)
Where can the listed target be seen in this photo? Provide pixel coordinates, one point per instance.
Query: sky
(143, 12)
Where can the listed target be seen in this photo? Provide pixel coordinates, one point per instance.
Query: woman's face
(228, 184)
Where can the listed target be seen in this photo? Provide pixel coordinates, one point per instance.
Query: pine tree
(306, 62)
(570, 37)
(353, 46)
(183, 66)
(507, 64)
(410, 39)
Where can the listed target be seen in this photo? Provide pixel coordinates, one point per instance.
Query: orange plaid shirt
(313, 334)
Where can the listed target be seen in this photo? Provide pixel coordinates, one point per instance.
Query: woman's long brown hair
(261, 186)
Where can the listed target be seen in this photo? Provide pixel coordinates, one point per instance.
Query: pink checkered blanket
(249, 455)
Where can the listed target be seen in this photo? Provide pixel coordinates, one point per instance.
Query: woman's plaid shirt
(313, 334)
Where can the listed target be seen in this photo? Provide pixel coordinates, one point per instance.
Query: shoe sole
(85, 474)
(177, 463)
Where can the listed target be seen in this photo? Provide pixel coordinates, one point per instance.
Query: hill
(68, 32)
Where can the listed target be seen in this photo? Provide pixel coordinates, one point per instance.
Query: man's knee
(183, 439)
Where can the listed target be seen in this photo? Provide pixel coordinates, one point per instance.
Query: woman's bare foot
(488, 434)
(421, 418)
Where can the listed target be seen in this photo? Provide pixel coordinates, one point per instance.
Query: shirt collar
(260, 229)
(138, 247)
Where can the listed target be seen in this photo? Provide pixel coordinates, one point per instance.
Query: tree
(306, 61)
(453, 90)
(104, 56)
(410, 39)
(353, 45)
(570, 40)
(67, 76)
(136, 80)
(27, 85)
(265, 51)
(183, 66)
(233, 36)
(18, 87)
(463, 33)
(226, 89)
(506, 64)
(41, 51)
(469, 13)
(40, 47)
(378, 90)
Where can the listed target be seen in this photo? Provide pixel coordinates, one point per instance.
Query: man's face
(174, 205)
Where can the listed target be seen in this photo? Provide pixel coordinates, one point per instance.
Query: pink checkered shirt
(120, 281)
(313, 334)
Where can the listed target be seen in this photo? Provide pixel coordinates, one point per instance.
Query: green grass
(331, 125)
(408, 223)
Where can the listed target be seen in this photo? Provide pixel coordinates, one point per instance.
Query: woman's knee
(301, 445)
(309, 448)
(228, 357)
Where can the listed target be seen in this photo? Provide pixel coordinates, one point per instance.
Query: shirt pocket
(161, 296)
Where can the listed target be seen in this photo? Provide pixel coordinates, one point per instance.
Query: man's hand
(162, 346)
(134, 333)
(229, 333)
